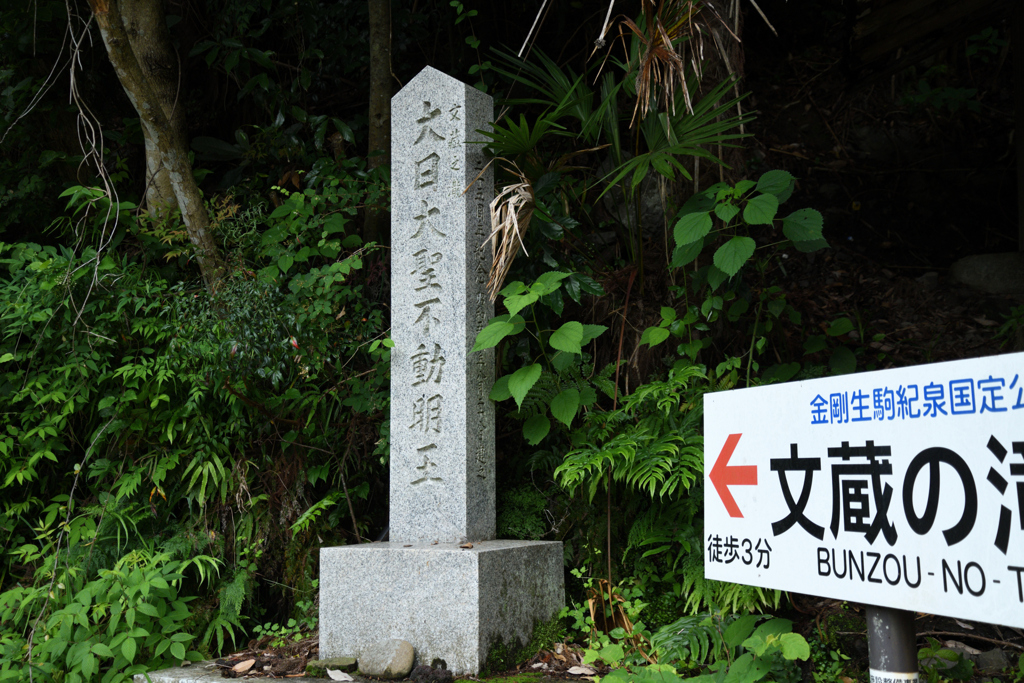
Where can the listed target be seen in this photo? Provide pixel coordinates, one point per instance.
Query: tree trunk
(380, 107)
(146, 27)
(148, 77)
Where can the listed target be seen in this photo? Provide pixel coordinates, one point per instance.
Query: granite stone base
(451, 603)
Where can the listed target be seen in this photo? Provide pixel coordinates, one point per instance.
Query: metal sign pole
(892, 645)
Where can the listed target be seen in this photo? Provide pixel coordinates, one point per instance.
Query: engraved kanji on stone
(427, 367)
(427, 217)
(426, 413)
(428, 318)
(424, 270)
(428, 469)
(426, 170)
(427, 133)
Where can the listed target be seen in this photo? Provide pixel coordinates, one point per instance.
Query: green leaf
(562, 360)
(814, 343)
(513, 288)
(808, 247)
(803, 225)
(738, 308)
(565, 405)
(102, 649)
(780, 373)
(716, 277)
(731, 256)
(740, 630)
(761, 209)
(686, 253)
(536, 428)
(726, 211)
(518, 302)
(522, 380)
(6, 357)
(668, 314)
(589, 285)
(692, 227)
(794, 646)
(128, 649)
(654, 336)
(89, 666)
(839, 327)
(591, 332)
(178, 651)
(500, 392)
(492, 335)
(741, 188)
(777, 183)
(284, 263)
(842, 362)
(568, 337)
(148, 609)
(273, 236)
(550, 281)
(612, 653)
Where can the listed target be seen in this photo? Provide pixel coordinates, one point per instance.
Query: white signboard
(902, 488)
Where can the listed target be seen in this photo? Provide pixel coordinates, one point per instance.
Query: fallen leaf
(985, 321)
(581, 671)
(964, 625)
(339, 675)
(467, 546)
(243, 666)
(539, 665)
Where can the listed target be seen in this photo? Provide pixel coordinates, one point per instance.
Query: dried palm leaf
(511, 212)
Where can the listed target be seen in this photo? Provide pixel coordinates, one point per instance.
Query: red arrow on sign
(723, 476)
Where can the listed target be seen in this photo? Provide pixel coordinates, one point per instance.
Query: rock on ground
(389, 659)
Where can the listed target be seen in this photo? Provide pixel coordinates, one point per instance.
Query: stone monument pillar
(442, 582)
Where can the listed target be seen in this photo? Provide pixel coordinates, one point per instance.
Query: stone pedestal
(451, 603)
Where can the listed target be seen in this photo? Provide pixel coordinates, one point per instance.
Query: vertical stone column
(442, 423)
(449, 600)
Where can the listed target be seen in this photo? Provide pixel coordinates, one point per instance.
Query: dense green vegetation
(174, 448)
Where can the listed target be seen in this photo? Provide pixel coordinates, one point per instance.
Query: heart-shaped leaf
(536, 428)
(692, 227)
(776, 182)
(568, 337)
(731, 256)
(654, 336)
(760, 210)
(565, 405)
(522, 380)
(803, 225)
(491, 335)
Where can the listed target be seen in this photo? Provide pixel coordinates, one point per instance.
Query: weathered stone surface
(387, 659)
(442, 423)
(201, 672)
(451, 603)
(992, 273)
(993, 660)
